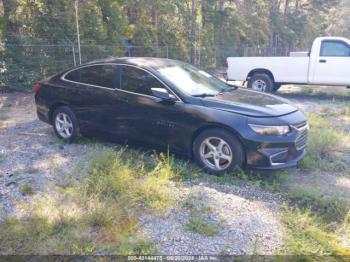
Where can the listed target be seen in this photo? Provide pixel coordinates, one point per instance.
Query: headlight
(270, 130)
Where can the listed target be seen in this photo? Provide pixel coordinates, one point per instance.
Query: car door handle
(323, 61)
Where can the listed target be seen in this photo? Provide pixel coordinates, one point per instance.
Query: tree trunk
(193, 32)
(286, 6)
(155, 26)
(10, 28)
(222, 4)
(297, 5)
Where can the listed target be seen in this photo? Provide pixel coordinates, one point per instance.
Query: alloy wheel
(216, 153)
(64, 125)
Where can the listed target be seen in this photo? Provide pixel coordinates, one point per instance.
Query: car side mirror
(163, 94)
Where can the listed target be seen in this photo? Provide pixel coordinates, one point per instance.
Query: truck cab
(329, 62)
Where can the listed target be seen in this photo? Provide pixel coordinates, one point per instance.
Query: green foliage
(26, 190)
(307, 236)
(155, 28)
(328, 208)
(323, 141)
(198, 221)
(97, 214)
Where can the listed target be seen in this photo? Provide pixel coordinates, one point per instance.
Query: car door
(147, 118)
(332, 65)
(96, 101)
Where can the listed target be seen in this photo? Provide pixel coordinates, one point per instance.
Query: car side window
(98, 75)
(334, 48)
(138, 81)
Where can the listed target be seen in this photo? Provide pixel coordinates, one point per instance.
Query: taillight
(226, 64)
(37, 87)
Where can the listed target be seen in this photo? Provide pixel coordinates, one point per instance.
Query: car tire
(215, 161)
(65, 124)
(261, 82)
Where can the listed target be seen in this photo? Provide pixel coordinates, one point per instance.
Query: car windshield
(193, 81)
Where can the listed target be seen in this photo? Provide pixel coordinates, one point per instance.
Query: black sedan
(175, 106)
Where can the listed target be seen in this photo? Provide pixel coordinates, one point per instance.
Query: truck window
(334, 48)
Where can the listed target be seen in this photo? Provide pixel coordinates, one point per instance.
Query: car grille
(301, 141)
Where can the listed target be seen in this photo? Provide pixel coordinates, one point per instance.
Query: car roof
(149, 62)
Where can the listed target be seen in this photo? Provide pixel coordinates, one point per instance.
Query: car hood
(250, 103)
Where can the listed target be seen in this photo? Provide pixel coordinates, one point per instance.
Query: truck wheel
(261, 82)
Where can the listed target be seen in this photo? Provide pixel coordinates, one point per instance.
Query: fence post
(73, 53)
(167, 51)
(215, 60)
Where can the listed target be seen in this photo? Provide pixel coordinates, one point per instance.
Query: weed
(306, 236)
(307, 90)
(137, 246)
(113, 174)
(329, 208)
(26, 190)
(98, 213)
(198, 223)
(322, 144)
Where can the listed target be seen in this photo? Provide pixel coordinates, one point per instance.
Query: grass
(323, 146)
(98, 214)
(198, 221)
(26, 190)
(268, 180)
(329, 208)
(339, 94)
(306, 235)
(316, 225)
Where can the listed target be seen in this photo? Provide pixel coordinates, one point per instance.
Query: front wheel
(218, 151)
(261, 82)
(65, 124)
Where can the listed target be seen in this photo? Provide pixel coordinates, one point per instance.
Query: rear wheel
(65, 124)
(218, 151)
(261, 82)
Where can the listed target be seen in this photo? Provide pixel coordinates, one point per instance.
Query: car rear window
(97, 75)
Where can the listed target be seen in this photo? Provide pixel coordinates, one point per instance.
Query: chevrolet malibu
(171, 105)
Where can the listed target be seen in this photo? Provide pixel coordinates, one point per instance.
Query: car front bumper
(275, 159)
(278, 152)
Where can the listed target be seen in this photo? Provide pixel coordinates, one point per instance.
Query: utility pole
(78, 34)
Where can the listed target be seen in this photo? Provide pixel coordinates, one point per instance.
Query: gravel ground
(31, 155)
(248, 217)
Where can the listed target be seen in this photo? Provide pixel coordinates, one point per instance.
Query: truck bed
(286, 69)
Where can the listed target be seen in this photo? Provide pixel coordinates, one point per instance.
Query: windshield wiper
(229, 89)
(204, 95)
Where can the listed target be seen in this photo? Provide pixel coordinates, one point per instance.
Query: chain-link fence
(22, 65)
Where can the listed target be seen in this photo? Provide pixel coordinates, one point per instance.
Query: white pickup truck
(327, 63)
